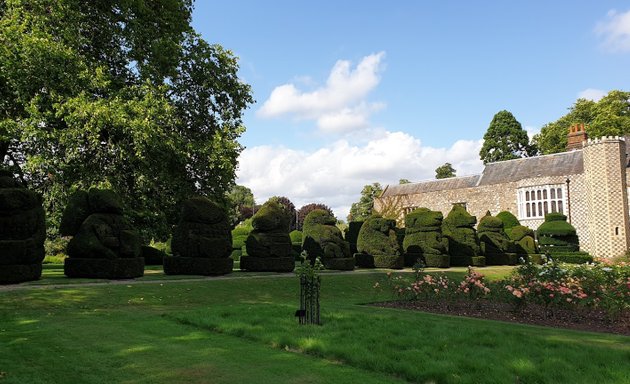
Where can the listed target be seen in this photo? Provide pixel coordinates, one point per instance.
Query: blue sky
(354, 92)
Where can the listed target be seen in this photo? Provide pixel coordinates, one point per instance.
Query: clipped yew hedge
(378, 239)
(268, 245)
(104, 244)
(321, 238)
(202, 241)
(463, 243)
(22, 232)
(556, 235)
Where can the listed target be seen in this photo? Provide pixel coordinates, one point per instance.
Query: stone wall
(605, 171)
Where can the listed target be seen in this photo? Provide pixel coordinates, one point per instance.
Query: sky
(352, 92)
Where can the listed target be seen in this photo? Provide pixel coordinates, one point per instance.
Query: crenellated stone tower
(605, 175)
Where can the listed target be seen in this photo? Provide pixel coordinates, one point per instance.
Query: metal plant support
(309, 300)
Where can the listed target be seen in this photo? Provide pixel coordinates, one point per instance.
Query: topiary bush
(423, 238)
(378, 239)
(105, 245)
(495, 244)
(509, 220)
(322, 238)
(268, 244)
(463, 244)
(555, 235)
(352, 234)
(22, 232)
(202, 240)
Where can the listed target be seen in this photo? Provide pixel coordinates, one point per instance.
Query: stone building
(587, 183)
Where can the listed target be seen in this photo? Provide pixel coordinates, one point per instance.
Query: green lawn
(243, 331)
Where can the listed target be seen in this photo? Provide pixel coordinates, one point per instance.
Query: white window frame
(535, 201)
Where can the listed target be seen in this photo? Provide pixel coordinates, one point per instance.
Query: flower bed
(592, 296)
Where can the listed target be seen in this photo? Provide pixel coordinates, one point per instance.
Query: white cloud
(339, 105)
(615, 31)
(335, 174)
(348, 119)
(592, 94)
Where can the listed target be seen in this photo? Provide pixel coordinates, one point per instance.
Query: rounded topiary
(105, 245)
(556, 235)
(268, 244)
(463, 243)
(202, 241)
(509, 220)
(423, 237)
(378, 239)
(495, 243)
(322, 238)
(22, 232)
(524, 240)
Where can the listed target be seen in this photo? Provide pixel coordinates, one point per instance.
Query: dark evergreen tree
(505, 139)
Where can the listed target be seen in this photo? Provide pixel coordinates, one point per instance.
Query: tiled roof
(431, 185)
(558, 164)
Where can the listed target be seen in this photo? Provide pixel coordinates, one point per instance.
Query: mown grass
(243, 330)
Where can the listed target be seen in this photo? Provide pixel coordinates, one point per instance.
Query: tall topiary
(352, 234)
(202, 241)
(424, 239)
(556, 235)
(104, 244)
(322, 238)
(268, 244)
(463, 243)
(495, 243)
(22, 232)
(378, 245)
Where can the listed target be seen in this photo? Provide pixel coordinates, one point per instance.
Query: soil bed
(581, 319)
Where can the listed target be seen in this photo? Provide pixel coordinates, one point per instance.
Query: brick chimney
(577, 135)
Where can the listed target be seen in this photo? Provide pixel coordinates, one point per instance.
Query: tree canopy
(505, 139)
(118, 94)
(445, 171)
(242, 203)
(609, 116)
(362, 209)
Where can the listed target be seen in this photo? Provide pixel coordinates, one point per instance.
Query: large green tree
(362, 209)
(609, 116)
(505, 139)
(242, 203)
(122, 94)
(444, 171)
